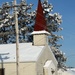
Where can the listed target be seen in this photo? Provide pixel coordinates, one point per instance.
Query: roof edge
(40, 32)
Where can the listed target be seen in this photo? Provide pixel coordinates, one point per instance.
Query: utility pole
(17, 38)
(15, 6)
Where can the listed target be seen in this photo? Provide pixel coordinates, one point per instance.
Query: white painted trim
(40, 32)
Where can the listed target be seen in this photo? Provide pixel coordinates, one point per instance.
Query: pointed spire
(40, 22)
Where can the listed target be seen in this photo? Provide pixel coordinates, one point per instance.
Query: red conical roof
(40, 22)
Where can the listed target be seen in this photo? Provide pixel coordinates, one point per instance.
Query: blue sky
(66, 9)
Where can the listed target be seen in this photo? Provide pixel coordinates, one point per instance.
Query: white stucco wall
(44, 56)
(40, 39)
(25, 68)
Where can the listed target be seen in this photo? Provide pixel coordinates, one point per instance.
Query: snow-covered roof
(27, 52)
(40, 32)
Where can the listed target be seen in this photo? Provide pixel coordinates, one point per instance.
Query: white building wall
(25, 68)
(40, 40)
(45, 55)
